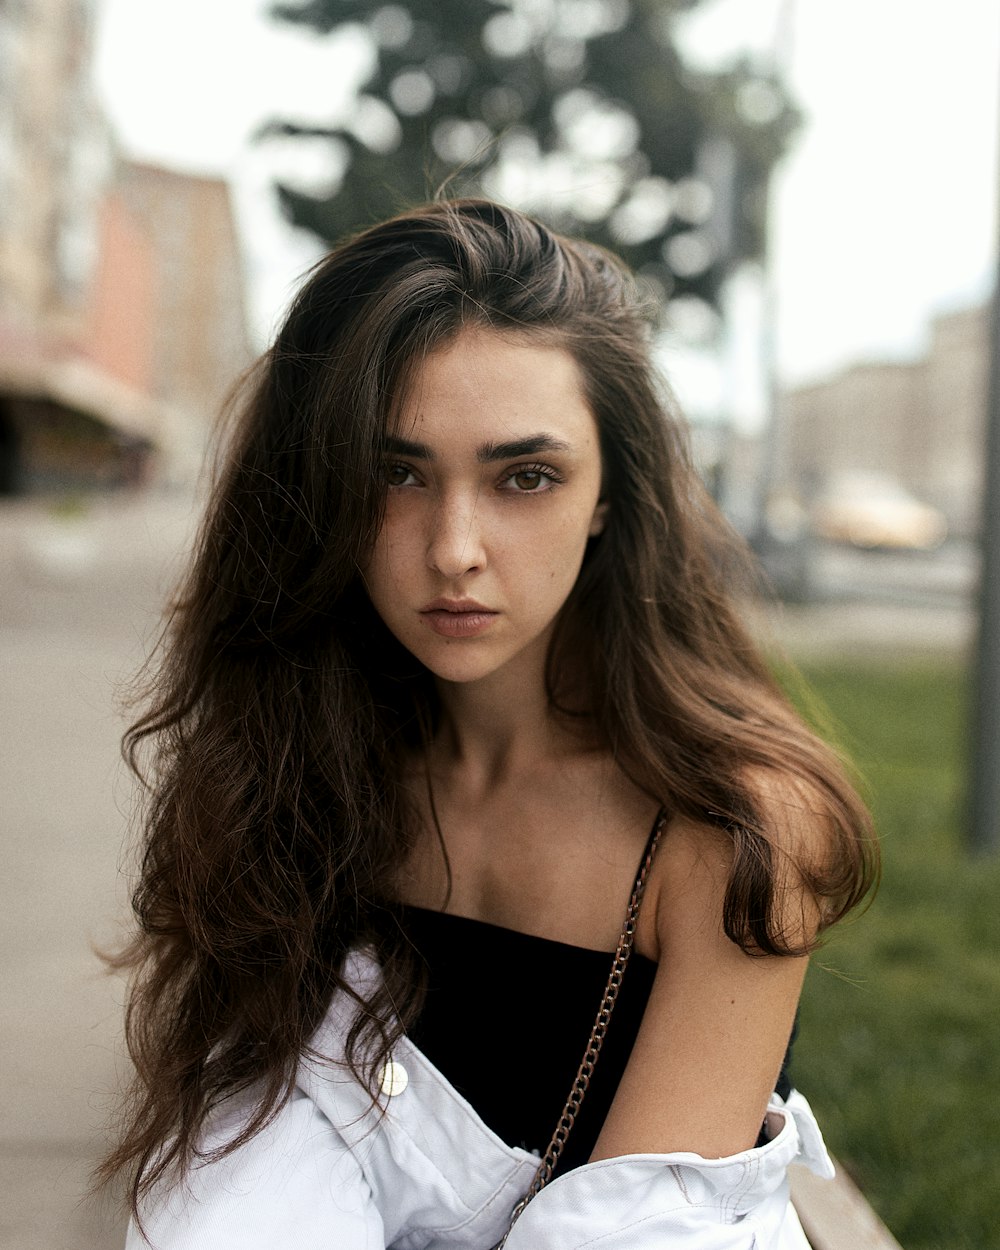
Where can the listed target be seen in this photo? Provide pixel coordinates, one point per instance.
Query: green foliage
(900, 1051)
(510, 98)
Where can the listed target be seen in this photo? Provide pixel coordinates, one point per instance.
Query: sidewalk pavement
(865, 629)
(81, 598)
(79, 606)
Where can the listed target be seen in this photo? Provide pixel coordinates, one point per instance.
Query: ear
(598, 519)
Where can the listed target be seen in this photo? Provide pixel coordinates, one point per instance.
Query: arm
(718, 1020)
(295, 1186)
(676, 1166)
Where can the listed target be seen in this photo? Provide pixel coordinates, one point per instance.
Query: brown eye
(396, 474)
(527, 479)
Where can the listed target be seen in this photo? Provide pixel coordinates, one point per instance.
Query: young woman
(454, 683)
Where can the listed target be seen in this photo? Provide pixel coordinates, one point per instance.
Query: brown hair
(283, 708)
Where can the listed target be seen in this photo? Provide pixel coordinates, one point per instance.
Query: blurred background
(809, 192)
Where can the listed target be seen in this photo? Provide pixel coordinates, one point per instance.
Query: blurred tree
(580, 111)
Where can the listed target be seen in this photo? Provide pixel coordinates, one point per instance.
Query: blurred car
(872, 510)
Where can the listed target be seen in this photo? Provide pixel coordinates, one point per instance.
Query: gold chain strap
(586, 1070)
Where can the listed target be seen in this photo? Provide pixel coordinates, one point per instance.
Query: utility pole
(984, 805)
(773, 437)
(785, 556)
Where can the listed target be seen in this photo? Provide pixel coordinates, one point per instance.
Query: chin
(467, 660)
(459, 669)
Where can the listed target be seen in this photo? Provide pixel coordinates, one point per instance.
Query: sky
(884, 212)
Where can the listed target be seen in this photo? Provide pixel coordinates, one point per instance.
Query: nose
(455, 541)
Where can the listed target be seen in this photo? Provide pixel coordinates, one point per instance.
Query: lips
(458, 618)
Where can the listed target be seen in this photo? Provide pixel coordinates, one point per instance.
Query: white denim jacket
(423, 1172)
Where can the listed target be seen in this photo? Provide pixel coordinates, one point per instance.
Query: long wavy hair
(282, 710)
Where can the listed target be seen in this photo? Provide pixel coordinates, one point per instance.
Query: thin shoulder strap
(586, 1070)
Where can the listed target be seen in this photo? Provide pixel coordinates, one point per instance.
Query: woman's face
(493, 476)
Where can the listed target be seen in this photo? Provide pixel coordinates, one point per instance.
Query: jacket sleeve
(294, 1186)
(666, 1202)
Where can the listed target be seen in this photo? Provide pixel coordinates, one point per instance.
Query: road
(81, 598)
(905, 578)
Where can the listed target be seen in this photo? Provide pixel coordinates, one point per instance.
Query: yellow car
(872, 510)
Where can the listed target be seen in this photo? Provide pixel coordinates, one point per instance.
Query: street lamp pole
(984, 806)
(772, 460)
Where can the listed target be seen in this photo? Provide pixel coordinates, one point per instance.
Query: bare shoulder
(694, 866)
(719, 1016)
(733, 907)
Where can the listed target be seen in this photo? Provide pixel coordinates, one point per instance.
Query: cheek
(381, 575)
(394, 547)
(556, 554)
(573, 532)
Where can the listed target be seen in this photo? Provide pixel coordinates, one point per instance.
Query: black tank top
(506, 1020)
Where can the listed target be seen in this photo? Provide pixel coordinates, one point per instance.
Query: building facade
(167, 307)
(122, 308)
(922, 422)
(55, 159)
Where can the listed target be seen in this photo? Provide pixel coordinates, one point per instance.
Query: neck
(492, 728)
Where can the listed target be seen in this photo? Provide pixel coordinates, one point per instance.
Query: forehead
(483, 381)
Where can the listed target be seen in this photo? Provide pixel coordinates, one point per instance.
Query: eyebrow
(487, 453)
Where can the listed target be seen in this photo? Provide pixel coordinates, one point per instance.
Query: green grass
(900, 1046)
